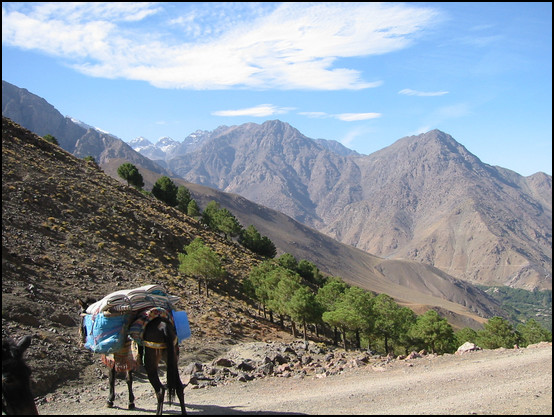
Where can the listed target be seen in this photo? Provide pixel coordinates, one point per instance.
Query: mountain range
(425, 198)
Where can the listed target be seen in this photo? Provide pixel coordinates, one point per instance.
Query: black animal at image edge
(17, 398)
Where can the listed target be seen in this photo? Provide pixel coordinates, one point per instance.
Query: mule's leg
(129, 378)
(112, 387)
(151, 360)
(179, 387)
(181, 395)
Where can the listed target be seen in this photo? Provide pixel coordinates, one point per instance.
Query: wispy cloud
(283, 45)
(410, 92)
(315, 114)
(353, 117)
(444, 114)
(453, 111)
(350, 136)
(345, 117)
(263, 110)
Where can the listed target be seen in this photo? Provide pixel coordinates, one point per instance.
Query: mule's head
(83, 305)
(17, 398)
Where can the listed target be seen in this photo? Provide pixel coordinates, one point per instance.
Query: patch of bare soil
(501, 381)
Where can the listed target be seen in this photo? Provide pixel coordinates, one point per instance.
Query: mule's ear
(23, 344)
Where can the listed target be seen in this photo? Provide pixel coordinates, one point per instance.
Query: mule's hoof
(109, 404)
(131, 406)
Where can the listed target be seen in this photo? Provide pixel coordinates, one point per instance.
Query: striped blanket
(134, 300)
(137, 327)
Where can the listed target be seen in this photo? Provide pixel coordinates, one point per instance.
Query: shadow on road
(214, 409)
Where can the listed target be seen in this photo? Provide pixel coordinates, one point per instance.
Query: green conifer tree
(130, 173)
(165, 190)
(201, 262)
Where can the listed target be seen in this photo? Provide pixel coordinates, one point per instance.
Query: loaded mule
(156, 337)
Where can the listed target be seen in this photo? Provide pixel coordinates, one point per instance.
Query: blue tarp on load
(105, 334)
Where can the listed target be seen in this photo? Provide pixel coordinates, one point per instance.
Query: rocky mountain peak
(428, 156)
(165, 141)
(432, 144)
(139, 142)
(167, 144)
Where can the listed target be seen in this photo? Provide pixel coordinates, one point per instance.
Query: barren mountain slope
(36, 114)
(414, 284)
(424, 198)
(442, 206)
(69, 230)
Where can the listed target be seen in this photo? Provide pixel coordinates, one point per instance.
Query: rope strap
(156, 345)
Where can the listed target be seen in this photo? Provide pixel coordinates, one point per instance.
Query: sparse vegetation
(532, 332)
(90, 159)
(250, 238)
(499, 332)
(121, 238)
(51, 139)
(193, 210)
(433, 333)
(183, 198)
(522, 305)
(375, 322)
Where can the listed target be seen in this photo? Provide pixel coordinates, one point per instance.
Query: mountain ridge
(391, 203)
(424, 198)
(39, 116)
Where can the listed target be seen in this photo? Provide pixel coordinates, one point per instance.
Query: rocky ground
(294, 378)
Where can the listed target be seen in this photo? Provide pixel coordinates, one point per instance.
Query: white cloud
(410, 92)
(350, 136)
(263, 110)
(420, 130)
(355, 133)
(345, 117)
(218, 45)
(315, 114)
(453, 111)
(353, 117)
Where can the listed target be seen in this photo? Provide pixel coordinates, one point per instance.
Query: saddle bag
(105, 334)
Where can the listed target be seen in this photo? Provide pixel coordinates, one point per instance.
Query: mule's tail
(173, 379)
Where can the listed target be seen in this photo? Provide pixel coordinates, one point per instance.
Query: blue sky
(364, 74)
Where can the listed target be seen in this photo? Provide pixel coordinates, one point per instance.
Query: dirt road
(502, 381)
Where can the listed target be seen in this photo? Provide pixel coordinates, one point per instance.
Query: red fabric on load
(123, 360)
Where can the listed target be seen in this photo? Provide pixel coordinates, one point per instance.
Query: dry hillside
(69, 230)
